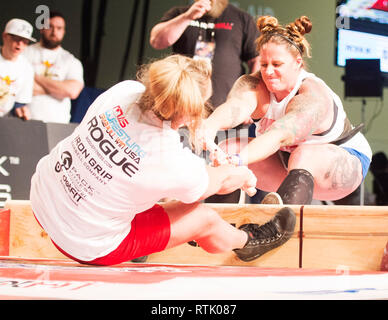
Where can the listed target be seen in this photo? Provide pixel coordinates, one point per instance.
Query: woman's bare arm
(307, 113)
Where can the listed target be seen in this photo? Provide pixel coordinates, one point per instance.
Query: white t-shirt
(86, 192)
(16, 83)
(57, 64)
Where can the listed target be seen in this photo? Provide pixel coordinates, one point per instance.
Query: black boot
(140, 259)
(266, 237)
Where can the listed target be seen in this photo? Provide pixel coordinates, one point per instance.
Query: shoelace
(265, 233)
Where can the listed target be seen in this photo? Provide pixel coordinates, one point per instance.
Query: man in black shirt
(215, 30)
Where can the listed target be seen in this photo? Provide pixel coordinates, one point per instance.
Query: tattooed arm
(239, 105)
(310, 111)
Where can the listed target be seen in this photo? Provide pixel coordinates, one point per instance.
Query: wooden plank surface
(27, 238)
(334, 237)
(344, 237)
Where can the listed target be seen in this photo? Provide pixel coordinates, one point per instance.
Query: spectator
(58, 74)
(16, 73)
(214, 30)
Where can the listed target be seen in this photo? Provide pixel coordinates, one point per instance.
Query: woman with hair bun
(96, 194)
(305, 147)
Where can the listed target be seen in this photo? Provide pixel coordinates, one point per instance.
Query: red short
(150, 232)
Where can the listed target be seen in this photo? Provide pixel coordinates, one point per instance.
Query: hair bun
(303, 25)
(267, 23)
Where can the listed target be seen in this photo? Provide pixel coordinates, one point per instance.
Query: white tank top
(277, 110)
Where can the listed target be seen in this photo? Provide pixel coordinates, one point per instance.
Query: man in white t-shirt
(58, 74)
(16, 73)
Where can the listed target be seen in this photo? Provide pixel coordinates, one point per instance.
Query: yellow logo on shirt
(5, 85)
(47, 66)
(7, 80)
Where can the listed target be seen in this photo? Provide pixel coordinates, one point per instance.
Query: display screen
(362, 31)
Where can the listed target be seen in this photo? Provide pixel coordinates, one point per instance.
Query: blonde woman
(305, 147)
(96, 194)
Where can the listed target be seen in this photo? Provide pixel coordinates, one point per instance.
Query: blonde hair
(292, 34)
(176, 87)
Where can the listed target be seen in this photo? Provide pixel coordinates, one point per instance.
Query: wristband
(235, 161)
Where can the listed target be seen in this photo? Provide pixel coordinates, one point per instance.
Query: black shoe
(193, 243)
(271, 235)
(140, 259)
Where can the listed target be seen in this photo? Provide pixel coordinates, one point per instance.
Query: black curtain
(131, 32)
(90, 56)
(90, 59)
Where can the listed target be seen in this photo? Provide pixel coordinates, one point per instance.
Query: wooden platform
(340, 238)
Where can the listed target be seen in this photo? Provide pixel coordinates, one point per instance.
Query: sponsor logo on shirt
(110, 150)
(120, 116)
(224, 25)
(211, 25)
(66, 162)
(91, 164)
(48, 69)
(114, 127)
(5, 88)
